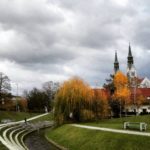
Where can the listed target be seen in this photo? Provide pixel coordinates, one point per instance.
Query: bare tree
(5, 86)
(50, 88)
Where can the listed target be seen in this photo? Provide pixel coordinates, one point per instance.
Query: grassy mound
(84, 139)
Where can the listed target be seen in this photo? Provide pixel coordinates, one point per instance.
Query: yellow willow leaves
(76, 100)
(75, 91)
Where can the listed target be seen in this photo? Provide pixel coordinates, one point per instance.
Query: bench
(141, 125)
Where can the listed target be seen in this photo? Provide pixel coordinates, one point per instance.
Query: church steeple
(130, 58)
(131, 71)
(116, 63)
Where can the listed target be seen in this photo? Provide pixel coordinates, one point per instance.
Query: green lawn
(83, 139)
(15, 115)
(47, 117)
(2, 147)
(118, 122)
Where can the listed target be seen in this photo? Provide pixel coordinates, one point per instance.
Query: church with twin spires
(131, 71)
(137, 83)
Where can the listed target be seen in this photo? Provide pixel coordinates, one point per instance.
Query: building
(137, 85)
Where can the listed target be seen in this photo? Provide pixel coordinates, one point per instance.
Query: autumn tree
(23, 105)
(73, 101)
(137, 99)
(122, 92)
(100, 103)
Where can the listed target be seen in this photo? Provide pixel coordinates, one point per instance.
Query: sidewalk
(112, 130)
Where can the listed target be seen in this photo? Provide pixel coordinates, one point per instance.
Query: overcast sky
(43, 40)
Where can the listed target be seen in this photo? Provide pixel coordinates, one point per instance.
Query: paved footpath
(4, 139)
(112, 130)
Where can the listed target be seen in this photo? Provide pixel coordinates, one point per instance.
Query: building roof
(102, 90)
(145, 92)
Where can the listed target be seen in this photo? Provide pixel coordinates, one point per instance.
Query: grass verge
(118, 122)
(16, 116)
(2, 147)
(80, 139)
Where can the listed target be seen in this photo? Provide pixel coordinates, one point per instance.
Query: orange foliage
(73, 96)
(100, 102)
(122, 91)
(23, 104)
(139, 98)
(76, 100)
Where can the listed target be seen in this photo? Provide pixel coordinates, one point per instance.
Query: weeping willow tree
(73, 101)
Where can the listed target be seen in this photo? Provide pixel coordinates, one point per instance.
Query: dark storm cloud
(35, 37)
(60, 38)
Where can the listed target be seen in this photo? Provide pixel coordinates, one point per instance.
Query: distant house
(145, 83)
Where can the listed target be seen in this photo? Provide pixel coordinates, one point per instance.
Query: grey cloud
(142, 33)
(63, 37)
(35, 12)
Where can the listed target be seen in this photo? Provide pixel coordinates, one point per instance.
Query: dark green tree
(113, 103)
(37, 100)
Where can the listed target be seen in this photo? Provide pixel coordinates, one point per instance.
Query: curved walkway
(112, 130)
(10, 140)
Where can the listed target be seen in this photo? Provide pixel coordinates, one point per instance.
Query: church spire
(131, 71)
(116, 63)
(130, 53)
(130, 58)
